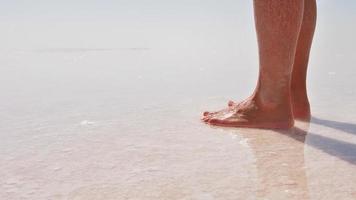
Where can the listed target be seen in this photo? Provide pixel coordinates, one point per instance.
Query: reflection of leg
(300, 103)
(277, 24)
(279, 163)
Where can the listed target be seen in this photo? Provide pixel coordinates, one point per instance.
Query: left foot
(300, 105)
(301, 111)
(250, 114)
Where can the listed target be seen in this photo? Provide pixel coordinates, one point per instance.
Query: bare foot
(301, 110)
(249, 114)
(300, 105)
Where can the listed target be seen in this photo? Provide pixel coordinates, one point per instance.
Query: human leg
(300, 102)
(278, 24)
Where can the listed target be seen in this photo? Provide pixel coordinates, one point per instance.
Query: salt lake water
(102, 100)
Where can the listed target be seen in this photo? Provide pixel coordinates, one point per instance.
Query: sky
(104, 9)
(142, 23)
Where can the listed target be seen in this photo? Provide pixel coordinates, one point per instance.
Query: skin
(300, 102)
(285, 32)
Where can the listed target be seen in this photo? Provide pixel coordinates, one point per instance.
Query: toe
(231, 103)
(227, 121)
(216, 121)
(213, 121)
(210, 114)
(205, 118)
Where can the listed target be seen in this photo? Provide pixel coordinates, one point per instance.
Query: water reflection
(279, 159)
(288, 162)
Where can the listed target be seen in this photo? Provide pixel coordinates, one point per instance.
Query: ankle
(275, 103)
(275, 110)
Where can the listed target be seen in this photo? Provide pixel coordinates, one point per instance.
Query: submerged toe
(231, 103)
(206, 113)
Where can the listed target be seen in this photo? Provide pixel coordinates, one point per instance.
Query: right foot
(252, 115)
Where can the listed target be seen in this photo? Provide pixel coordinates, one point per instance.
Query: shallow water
(93, 110)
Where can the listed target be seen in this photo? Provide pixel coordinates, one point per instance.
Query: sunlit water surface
(110, 110)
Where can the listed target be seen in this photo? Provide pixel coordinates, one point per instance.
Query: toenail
(231, 103)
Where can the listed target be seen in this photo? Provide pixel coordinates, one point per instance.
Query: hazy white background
(208, 43)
